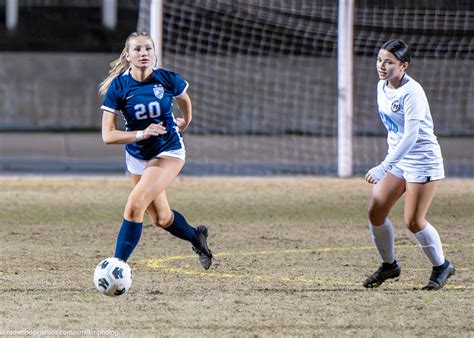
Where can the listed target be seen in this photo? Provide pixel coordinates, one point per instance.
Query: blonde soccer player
(413, 166)
(154, 148)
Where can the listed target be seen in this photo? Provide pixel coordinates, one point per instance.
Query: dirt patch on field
(290, 257)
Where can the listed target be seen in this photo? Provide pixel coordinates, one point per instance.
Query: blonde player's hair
(121, 64)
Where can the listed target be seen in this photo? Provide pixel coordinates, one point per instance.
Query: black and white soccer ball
(113, 277)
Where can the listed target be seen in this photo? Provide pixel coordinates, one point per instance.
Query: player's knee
(376, 214)
(415, 225)
(373, 211)
(163, 220)
(134, 209)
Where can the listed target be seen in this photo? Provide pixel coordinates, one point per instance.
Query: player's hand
(376, 174)
(154, 129)
(181, 123)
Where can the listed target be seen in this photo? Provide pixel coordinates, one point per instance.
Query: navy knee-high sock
(127, 239)
(181, 229)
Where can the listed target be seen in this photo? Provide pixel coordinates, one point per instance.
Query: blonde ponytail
(121, 64)
(116, 67)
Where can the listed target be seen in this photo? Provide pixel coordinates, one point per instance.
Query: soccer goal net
(263, 79)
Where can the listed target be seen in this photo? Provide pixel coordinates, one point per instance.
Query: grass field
(290, 256)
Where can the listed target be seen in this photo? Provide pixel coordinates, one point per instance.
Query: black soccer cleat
(205, 254)
(439, 276)
(384, 272)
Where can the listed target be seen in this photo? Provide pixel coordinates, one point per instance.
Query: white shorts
(137, 166)
(414, 178)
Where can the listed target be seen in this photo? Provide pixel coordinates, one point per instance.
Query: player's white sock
(430, 243)
(383, 239)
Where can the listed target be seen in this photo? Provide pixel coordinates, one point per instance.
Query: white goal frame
(345, 52)
(156, 29)
(344, 75)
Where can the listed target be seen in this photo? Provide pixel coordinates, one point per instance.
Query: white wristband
(139, 135)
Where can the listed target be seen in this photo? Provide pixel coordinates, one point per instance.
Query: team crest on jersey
(159, 91)
(395, 106)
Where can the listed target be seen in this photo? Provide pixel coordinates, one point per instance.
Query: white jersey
(422, 156)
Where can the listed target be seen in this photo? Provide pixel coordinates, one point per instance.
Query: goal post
(345, 52)
(156, 28)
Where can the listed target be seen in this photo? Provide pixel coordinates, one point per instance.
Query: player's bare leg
(384, 196)
(417, 202)
(162, 216)
(158, 175)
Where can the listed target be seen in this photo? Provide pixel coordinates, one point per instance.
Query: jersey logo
(159, 91)
(388, 122)
(395, 106)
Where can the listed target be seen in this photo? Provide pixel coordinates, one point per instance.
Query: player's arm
(186, 108)
(407, 141)
(112, 135)
(414, 106)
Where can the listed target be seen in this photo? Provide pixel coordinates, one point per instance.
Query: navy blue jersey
(144, 103)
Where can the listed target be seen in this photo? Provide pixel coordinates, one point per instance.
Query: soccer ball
(112, 277)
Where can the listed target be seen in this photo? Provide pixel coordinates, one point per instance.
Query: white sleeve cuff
(110, 110)
(184, 90)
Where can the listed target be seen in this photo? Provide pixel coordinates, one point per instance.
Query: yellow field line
(286, 251)
(226, 275)
(160, 263)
